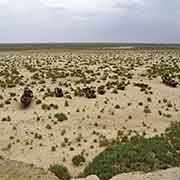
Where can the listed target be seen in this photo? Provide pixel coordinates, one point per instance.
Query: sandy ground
(33, 135)
(13, 170)
(169, 174)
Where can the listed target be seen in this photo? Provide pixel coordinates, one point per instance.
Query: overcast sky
(90, 20)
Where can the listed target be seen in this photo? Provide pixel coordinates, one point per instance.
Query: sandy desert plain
(126, 97)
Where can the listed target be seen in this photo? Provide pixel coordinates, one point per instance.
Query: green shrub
(60, 171)
(173, 135)
(138, 154)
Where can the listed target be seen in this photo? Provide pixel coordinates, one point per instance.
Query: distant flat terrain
(61, 46)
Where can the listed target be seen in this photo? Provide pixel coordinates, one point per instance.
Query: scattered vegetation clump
(46, 107)
(38, 101)
(7, 101)
(115, 91)
(66, 104)
(78, 92)
(117, 106)
(122, 85)
(147, 110)
(12, 94)
(143, 87)
(101, 90)
(87, 92)
(37, 136)
(90, 93)
(49, 93)
(6, 119)
(78, 160)
(103, 141)
(162, 68)
(61, 117)
(48, 126)
(149, 99)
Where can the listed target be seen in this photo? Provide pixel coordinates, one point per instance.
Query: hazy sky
(90, 20)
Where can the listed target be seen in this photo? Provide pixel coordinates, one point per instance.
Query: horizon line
(88, 42)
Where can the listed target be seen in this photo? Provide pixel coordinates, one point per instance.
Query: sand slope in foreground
(12, 170)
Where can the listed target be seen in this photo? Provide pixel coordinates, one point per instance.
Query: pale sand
(13, 170)
(168, 174)
(29, 150)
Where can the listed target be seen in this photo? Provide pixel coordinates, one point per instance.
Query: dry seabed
(126, 95)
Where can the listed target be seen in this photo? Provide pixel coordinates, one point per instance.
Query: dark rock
(27, 96)
(169, 81)
(59, 92)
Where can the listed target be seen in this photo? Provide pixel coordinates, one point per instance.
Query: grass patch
(60, 171)
(173, 135)
(138, 154)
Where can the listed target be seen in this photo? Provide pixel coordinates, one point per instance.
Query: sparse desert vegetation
(90, 108)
